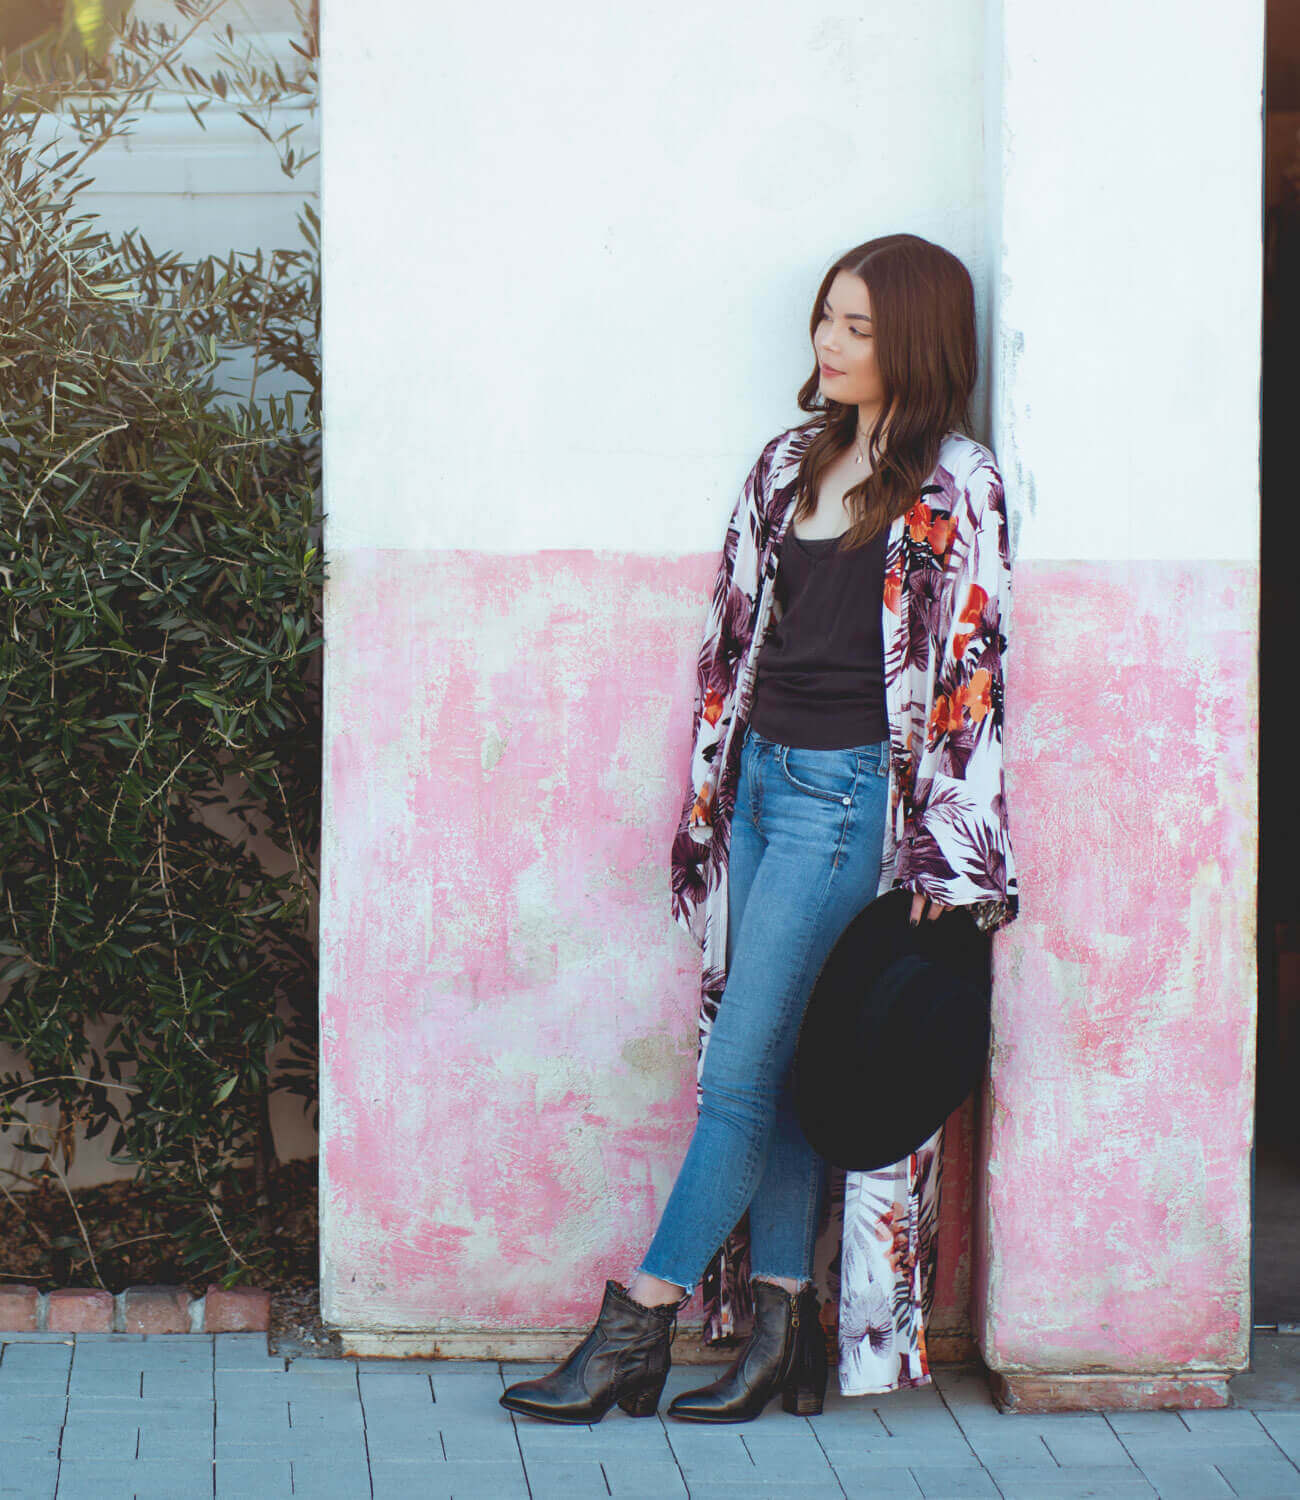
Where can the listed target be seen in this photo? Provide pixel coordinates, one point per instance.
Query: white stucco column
(1115, 1224)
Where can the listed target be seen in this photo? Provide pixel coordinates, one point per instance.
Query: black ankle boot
(786, 1352)
(624, 1359)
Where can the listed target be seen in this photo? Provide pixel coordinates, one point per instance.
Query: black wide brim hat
(896, 1033)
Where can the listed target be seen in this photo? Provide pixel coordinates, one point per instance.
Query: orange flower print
(892, 1230)
(939, 535)
(713, 705)
(941, 716)
(701, 809)
(978, 694)
(968, 619)
(893, 589)
(918, 520)
(974, 697)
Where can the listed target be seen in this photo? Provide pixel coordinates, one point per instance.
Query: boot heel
(804, 1392)
(645, 1402)
(803, 1400)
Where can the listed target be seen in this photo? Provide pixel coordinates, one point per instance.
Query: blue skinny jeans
(806, 839)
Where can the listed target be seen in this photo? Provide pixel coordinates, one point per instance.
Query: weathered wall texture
(1121, 1118)
(509, 1010)
(510, 1014)
(510, 1017)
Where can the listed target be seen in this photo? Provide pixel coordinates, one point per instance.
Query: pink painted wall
(508, 1009)
(509, 1012)
(1116, 1217)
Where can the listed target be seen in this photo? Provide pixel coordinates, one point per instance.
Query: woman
(847, 740)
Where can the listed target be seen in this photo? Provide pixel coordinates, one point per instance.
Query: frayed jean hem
(775, 1276)
(688, 1293)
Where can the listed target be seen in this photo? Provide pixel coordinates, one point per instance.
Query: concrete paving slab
(954, 1484)
(35, 1359)
(172, 1385)
(897, 1453)
(1026, 1482)
(250, 1362)
(1194, 1448)
(454, 1481)
(630, 1438)
(1147, 1423)
(780, 1490)
(393, 1388)
(643, 1479)
(19, 1451)
(478, 1441)
(1194, 1481)
(572, 1479)
(1284, 1429)
(1009, 1447)
(1075, 1446)
(165, 1479)
(29, 1481)
(1256, 1479)
(99, 1440)
(879, 1484)
(253, 1479)
(326, 1479)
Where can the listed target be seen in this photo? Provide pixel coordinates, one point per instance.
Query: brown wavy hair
(923, 319)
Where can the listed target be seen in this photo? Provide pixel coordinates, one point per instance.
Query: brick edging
(139, 1309)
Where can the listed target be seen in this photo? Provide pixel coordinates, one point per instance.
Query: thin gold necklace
(861, 454)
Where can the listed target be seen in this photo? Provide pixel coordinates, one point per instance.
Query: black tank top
(820, 681)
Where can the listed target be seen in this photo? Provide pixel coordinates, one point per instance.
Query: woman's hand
(918, 906)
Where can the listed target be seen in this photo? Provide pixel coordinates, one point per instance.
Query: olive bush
(160, 668)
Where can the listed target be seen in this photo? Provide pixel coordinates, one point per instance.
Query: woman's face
(844, 345)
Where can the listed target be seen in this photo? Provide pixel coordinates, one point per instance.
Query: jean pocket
(830, 774)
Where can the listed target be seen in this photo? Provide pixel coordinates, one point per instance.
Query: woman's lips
(826, 370)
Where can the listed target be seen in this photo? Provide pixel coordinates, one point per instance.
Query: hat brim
(895, 1035)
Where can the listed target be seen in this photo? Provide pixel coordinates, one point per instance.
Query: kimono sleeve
(957, 848)
(722, 648)
(720, 655)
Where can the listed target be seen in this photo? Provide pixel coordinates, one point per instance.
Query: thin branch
(32, 1224)
(63, 1181)
(68, 457)
(102, 1083)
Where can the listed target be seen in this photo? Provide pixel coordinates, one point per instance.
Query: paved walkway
(108, 1416)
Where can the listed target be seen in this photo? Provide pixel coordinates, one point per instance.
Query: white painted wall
(574, 317)
(1128, 306)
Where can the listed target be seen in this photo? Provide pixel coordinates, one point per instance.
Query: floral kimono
(946, 596)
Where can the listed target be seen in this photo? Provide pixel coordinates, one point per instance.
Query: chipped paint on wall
(509, 1012)
(1122, 1085)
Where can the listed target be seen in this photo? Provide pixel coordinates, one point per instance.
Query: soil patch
(132, 1234)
